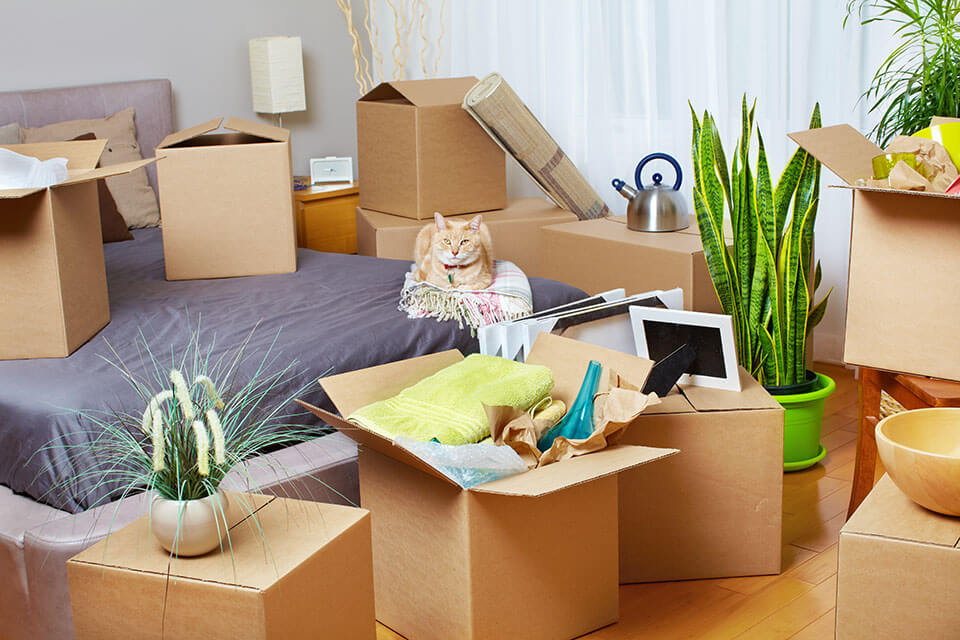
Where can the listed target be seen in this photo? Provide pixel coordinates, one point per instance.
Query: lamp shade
(276, 75)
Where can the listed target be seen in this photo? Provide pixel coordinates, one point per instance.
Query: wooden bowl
(920, 451)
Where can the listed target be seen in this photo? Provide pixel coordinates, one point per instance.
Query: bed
(336, 313)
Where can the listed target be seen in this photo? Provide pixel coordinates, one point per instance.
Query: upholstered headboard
(151, 100)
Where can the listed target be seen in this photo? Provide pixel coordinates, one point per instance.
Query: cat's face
(457, 243)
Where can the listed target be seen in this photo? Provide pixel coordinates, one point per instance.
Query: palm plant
(920, 78)
(762, 281)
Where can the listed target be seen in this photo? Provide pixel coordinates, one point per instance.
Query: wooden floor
(800, 602)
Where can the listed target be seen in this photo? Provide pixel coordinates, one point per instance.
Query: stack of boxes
(420, 152)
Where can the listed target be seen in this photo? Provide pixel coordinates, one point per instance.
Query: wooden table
(326, 216)
(913, 392)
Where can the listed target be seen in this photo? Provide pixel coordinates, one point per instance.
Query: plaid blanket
(507, 298)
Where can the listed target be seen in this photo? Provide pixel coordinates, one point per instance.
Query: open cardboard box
(53, 282)
(227, 201)
(301, 570)
(419, 152)
(899, 570)
(513, 230)
(717, 508)
(532, 555)
(903, 299)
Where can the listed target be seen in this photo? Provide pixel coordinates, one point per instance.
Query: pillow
(112, 225)
(135, 199)
(10, 133)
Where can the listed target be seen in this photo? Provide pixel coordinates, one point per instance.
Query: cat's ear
(441, 223)
(475, 223)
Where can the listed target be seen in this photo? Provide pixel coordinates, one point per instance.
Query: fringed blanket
(508, 298)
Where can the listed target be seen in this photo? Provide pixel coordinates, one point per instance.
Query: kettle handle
(659, 156)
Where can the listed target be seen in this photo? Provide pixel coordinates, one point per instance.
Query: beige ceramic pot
(190, 527)
(920, 451)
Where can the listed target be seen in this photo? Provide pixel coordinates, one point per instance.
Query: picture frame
(659, 332)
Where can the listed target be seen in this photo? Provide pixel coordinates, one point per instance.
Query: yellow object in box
(947, 134)
(884, 164)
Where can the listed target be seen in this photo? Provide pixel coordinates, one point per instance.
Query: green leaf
(817, 277)
(816, 314)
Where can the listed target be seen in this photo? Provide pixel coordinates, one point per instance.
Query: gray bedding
(337, 312)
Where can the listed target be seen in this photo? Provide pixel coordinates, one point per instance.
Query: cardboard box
(514, 232)
(899, 570)
(599, 255)
(226, 201)
(529, 556)
(716, 509)
(420, 152)
(902, 300)
(305, 572)
(53, 282)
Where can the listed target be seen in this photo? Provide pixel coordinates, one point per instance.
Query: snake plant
(762, 280)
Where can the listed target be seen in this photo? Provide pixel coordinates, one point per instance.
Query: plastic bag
(468, 465)
(18, 171)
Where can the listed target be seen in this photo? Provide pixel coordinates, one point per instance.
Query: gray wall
(201, 46)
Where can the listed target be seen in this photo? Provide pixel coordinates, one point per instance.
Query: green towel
(448, 405)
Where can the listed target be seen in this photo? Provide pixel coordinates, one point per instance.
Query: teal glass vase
(578, 423)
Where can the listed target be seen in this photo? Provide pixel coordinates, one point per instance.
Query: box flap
(425, 93)
(569, 473)
(355, 389)
(192, 132)
(887, 512)
(11, 194)
(568, 359)
(673, 402)
(901, 192)
(259, 129)
(843, 150)
(935, 120)
(376, 442)
(106, 172)
(81, 155)
(751, 396)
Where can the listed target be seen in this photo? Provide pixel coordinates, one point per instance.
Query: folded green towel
(448, 405)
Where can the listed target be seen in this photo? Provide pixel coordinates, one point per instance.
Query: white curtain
(610, 79)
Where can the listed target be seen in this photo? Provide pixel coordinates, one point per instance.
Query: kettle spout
(625, 190)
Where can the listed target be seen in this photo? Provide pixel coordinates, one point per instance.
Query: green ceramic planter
(802, 422)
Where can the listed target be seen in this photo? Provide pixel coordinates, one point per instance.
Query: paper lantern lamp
(276, 75)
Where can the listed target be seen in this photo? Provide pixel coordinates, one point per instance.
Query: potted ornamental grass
(766, 280)
(199, 416)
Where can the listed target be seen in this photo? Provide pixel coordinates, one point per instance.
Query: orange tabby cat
(454, 255)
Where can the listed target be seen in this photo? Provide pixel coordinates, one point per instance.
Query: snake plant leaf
(786, 188)
(715, 254)
(694, 146)
(816, 314)
(796, 366)
(709, 183)
(817, 277)
(721, 165)
(764, 197)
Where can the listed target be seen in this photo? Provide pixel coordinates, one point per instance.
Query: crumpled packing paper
(617, 403)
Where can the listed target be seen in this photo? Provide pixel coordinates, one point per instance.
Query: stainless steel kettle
(655, 207)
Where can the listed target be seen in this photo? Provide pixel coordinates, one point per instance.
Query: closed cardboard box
(716, 507)
(53, 283)
(226, 201)
(302, 570)
(420, 152)
(899, 570)
(533, 555)
(903, 295)
(514, 230)
(599, 255)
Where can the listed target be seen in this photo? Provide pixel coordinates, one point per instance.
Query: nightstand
(326, 217)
